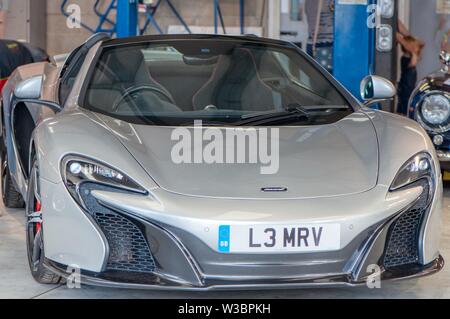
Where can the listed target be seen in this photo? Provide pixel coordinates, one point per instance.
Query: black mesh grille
(128, 248)
(403, 238)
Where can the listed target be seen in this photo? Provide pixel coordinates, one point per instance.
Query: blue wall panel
(354, 44)
(127, 18)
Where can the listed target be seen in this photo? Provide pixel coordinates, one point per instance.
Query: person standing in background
(320, 15)
(412, 51)
(3, 12)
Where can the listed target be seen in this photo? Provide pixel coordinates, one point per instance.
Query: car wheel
(10, 196)
(35, 232)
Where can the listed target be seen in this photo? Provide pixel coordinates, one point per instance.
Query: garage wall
(60, 38)
(26, 20)
(15, 28)
(195, 12)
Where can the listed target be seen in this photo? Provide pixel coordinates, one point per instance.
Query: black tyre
(10, 196)
(35, 232)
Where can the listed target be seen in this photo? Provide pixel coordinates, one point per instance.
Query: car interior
(150, 81)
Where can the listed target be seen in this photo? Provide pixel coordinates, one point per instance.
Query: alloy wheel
(34, 221)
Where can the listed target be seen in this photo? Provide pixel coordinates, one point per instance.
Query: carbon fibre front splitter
(157, 282)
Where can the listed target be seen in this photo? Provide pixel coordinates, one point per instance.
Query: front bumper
(183, 259)
(159, 283)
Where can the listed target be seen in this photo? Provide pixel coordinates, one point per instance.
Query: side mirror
(29, 91)
(445, 59)
(375, 89)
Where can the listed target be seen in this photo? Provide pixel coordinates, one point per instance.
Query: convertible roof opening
(220, 81)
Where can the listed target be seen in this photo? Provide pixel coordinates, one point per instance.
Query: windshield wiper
(291, 113)
(204, 123)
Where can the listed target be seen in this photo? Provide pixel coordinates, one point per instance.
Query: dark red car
(14, 54)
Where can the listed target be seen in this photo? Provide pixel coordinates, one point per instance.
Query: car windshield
(221, 82)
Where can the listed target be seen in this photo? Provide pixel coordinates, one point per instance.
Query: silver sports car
(214, 162)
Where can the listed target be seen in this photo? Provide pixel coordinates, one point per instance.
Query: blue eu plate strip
(224, 238)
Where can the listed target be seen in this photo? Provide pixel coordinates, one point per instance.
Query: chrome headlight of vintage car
(435, 109)
(78, 170)
(420, 166)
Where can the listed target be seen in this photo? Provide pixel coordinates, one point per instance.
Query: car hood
(314, 161)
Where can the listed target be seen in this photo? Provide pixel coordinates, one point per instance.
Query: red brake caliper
(37, 207)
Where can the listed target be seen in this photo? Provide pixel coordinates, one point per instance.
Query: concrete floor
(16, 281)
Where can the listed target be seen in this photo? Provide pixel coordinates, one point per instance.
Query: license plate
(279, 238)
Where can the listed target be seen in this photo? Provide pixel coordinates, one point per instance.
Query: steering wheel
(133, 90)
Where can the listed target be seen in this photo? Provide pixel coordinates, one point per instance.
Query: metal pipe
(219, 11)
(127, 18)
(242, 12)
(216, 5)
(179, 17)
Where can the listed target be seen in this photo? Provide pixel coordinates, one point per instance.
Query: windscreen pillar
(354, 42)
(127, 18)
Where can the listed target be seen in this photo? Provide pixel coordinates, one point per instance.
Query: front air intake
(128, 248)
(403, 238)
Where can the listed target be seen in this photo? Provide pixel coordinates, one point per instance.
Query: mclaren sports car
(206, 162)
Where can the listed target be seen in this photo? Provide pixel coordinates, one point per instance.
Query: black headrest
(126, 63)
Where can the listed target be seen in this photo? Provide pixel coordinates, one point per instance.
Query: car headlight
(436, 109)
(418, 167)
(77, 170)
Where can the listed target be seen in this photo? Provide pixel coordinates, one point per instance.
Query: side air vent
(403, 238)
(128, 248)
